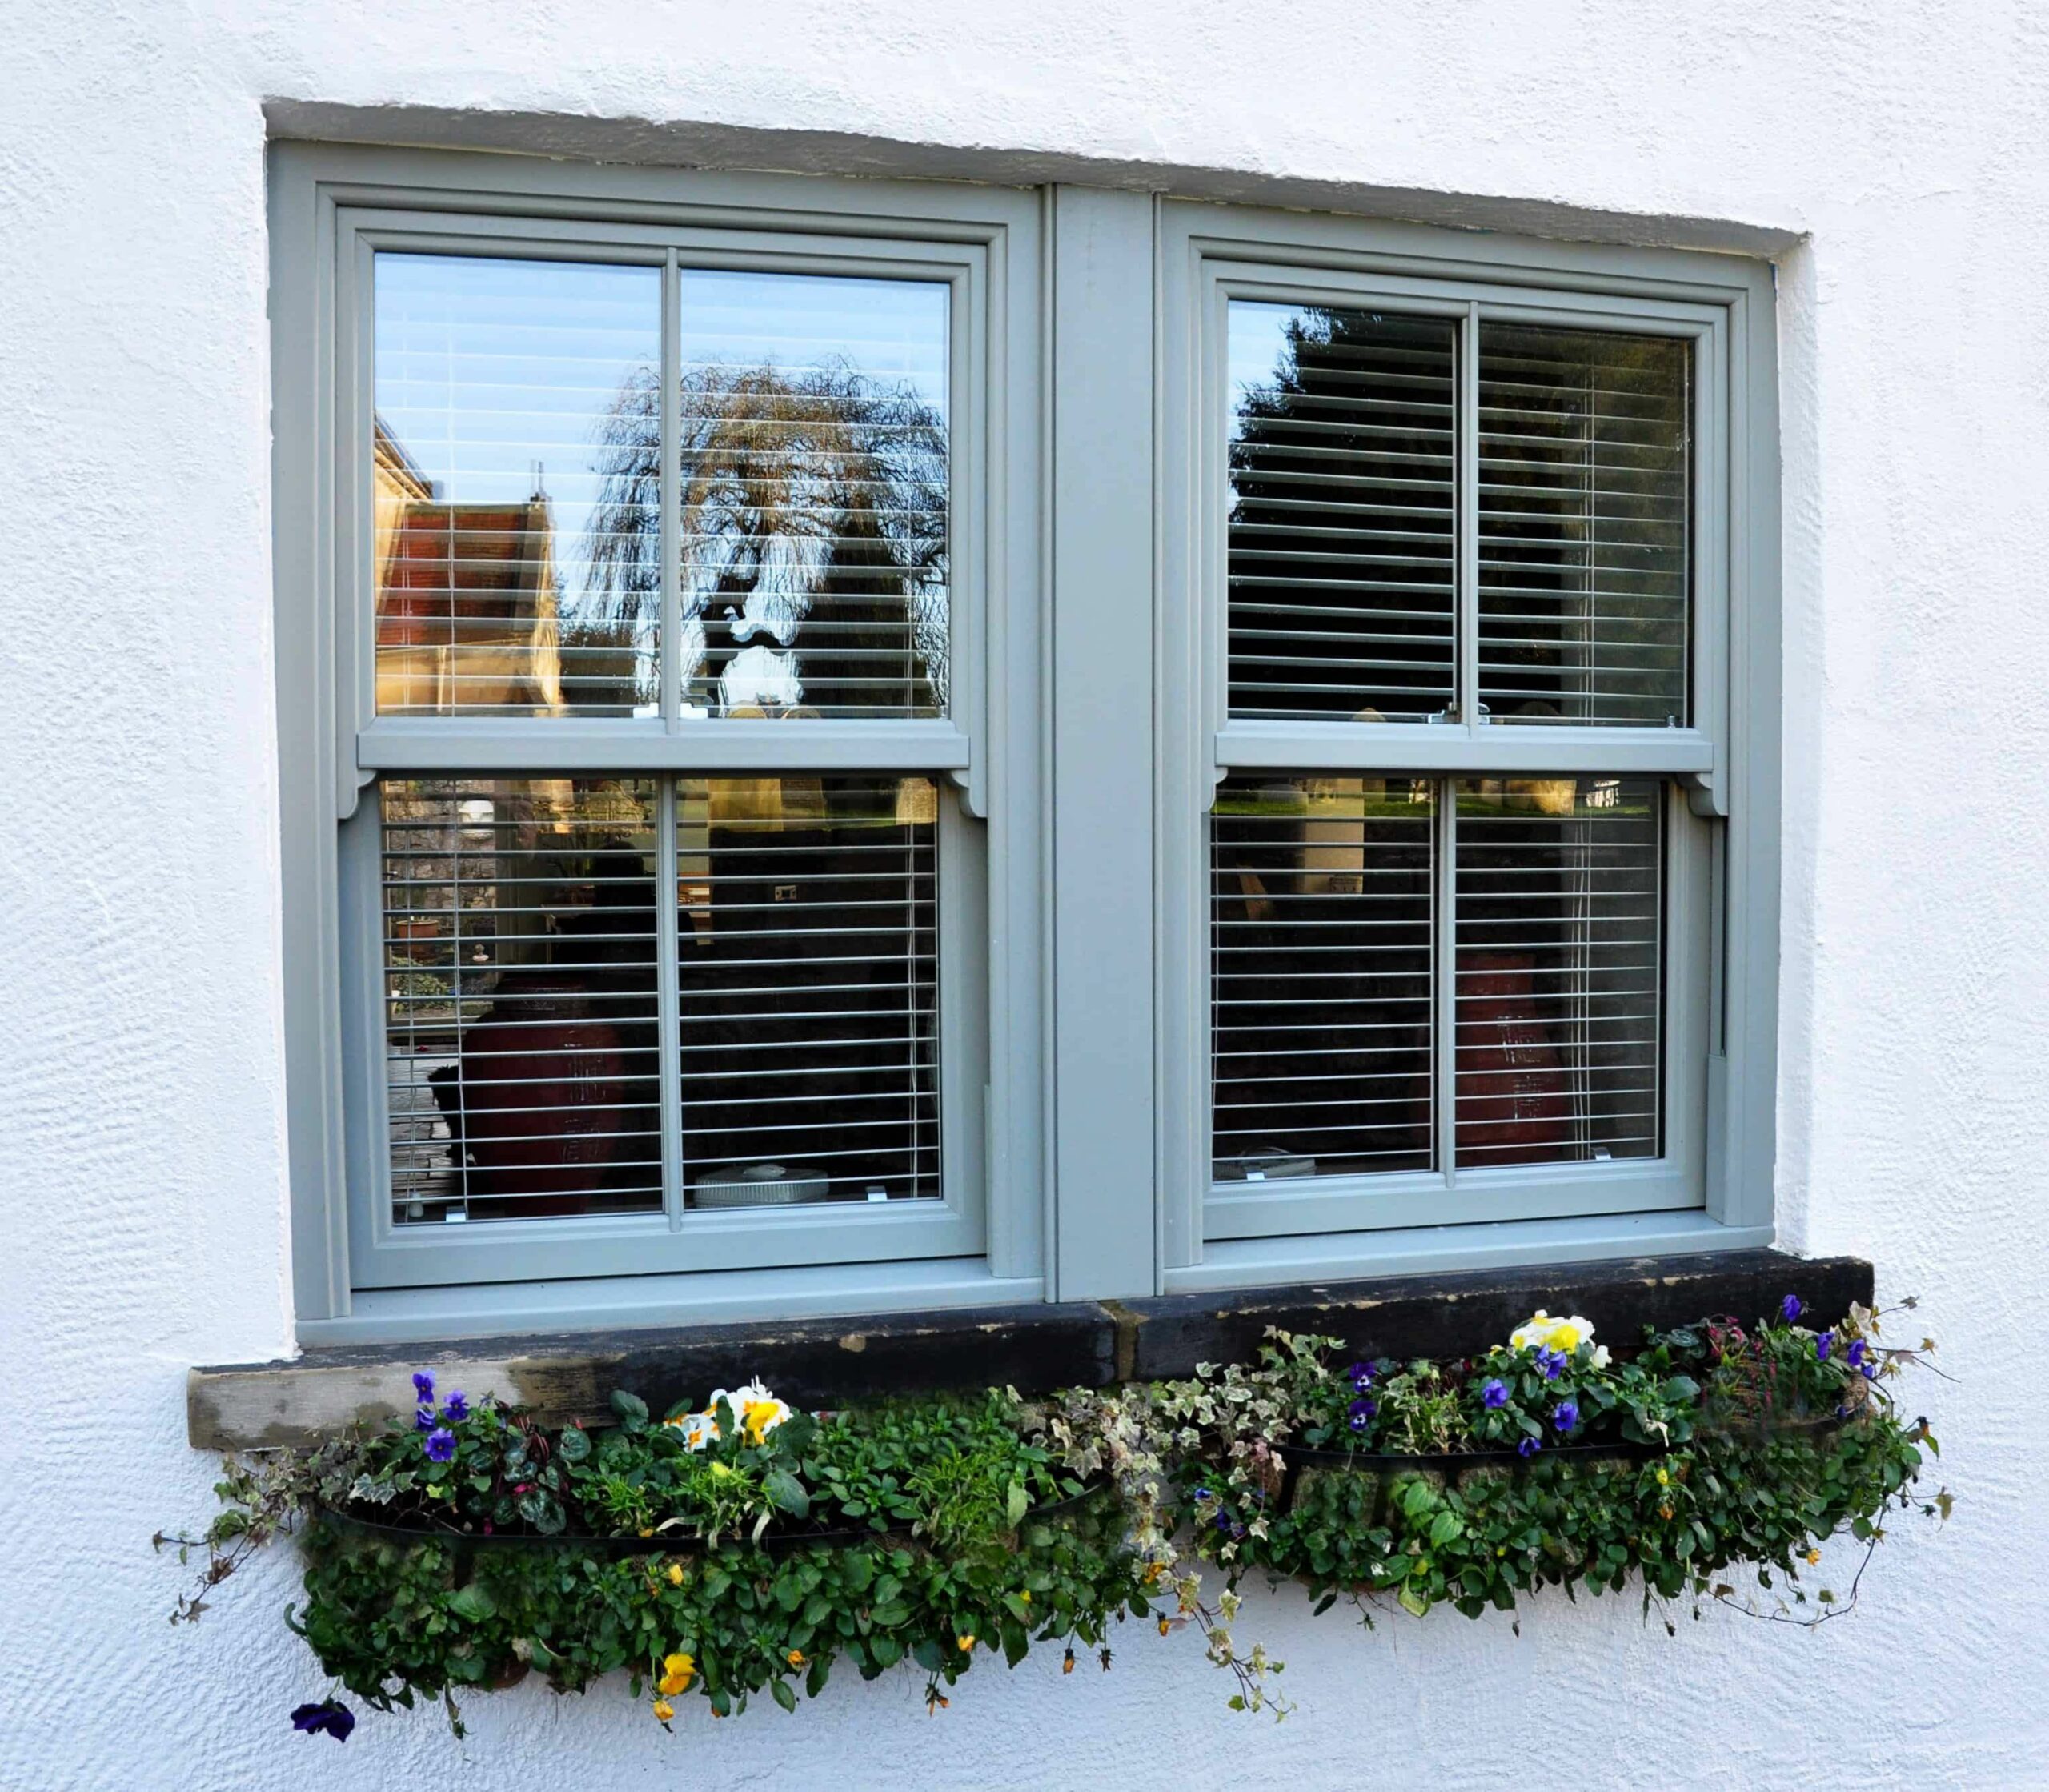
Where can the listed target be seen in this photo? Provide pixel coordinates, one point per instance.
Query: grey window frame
(1712, 1187)
(355, 1274)
(1085, 755)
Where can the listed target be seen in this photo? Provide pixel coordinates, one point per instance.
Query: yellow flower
(1164, 1626)
(1664, 1512)
(794, 1657)
(1814, 1557)
(663, 1710)
(1664, 1480)
(678, 1671)
(1025, 1594)
(965, 1642)
(675, 1573)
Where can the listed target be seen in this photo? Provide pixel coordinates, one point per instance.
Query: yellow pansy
(675, 1573)
(678, 1671)
(1664, 1480)
(663, 1710)
(965, 1642)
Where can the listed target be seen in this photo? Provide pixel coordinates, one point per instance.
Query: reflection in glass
(521, 1035)
(1343, 482)
(809, 978)
(812, 463)
(1321, 976)
(1584, 572)
(1559, 969)
(503, 583)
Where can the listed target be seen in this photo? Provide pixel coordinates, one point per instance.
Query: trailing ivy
(742, 1548)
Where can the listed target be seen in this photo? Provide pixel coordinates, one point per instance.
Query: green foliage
(780, 1544)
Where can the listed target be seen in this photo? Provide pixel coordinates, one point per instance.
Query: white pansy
(1542, 1331)
(756, 1410)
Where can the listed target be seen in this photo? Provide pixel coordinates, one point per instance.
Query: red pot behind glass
(1514, 1105)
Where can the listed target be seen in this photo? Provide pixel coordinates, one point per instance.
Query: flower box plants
(740, 1547)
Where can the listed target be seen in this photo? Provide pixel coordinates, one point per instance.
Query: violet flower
(330, 1717)
(457, 1410)
(1854, 1357)
(1821, 1346)
(1551, 1362)
(440, 1446)
(423, 1387)
(1495, 1395)
(1528, 1448)
(1791, 1309)
(1566, 1414)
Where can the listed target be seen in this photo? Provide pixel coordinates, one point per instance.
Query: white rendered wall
(144, 1198)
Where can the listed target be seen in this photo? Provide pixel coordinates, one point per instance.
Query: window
(730, 631)
(1446, 935)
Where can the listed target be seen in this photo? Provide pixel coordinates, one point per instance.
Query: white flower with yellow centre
(756, 1410)
(1542, 1331)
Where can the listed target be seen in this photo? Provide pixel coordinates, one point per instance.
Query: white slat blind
(521, 1057)
(1584, 566)
(502, 388)
(1560, 963)
(1342, 470)
(1321, 1003)
(1326, 900)
(809, 988)
(813, 456)
(525, 1005)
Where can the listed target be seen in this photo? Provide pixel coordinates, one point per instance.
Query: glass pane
(514, 578)
(1559, 969)
(809, 966)
(521, 1047)
(1584, 572)
(1343, 486)
(813, 460)
(1320, 974)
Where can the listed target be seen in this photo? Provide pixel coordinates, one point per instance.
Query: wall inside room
(1889, 159)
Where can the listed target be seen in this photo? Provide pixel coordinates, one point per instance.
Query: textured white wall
(139, 1065)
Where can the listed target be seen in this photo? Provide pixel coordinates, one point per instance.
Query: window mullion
(1444, 959)
(1467, 446)
(669, 659)
(668, 1002)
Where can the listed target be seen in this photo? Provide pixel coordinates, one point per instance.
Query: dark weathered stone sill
(824, 1363)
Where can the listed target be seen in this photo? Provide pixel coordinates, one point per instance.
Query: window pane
(521, 1027)
(1321, 976)
(1343, 482)
(809, 967)
(512, 577)
(1559, 969)
(814, 480)
(1584, 572)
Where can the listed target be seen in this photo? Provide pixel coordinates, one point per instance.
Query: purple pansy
(457, 1410)
(1551, 1362)
(330, 1717)
(423, 1419)
(1495, 1395)
(1360, 1413)
(1791, 1309)
(1855, 1356)
(1870, 1371)
(1528, 1447)
(440, 1446)
(423, 1388)
(1821, 1346)
(1361, 1375)
(1566, 1414)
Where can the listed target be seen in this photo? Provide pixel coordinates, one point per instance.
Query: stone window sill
(830, 1362)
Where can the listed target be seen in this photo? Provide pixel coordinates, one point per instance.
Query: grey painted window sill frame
(830, 1362)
